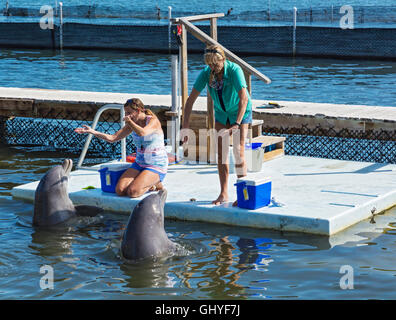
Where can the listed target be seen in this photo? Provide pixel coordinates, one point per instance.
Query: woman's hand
(185, 138)
(84, 129)
(230, 131)
(128, 121)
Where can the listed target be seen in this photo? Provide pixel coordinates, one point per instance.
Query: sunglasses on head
(211, 51)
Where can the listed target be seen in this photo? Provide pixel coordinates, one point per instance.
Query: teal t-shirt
(233, 82)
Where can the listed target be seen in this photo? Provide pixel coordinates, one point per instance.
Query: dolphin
(145, 235)
(52, 204)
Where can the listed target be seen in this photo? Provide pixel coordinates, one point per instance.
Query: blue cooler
(110, 174)
(253, 192)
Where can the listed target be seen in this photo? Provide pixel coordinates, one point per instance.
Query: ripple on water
(211, 261)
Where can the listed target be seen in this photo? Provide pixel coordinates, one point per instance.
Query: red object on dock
(131, 157)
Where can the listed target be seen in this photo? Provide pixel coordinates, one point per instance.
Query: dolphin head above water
(52, 204)
(145, 235)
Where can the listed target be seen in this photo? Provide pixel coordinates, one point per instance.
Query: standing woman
(232, 107)
(150, 166)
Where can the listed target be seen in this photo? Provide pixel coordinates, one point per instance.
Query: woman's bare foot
(157, 187)
(221, 199)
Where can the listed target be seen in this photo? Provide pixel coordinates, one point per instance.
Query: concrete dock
(310, 195)
(74, 105)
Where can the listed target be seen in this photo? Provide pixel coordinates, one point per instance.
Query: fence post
(175, 135)
(294, 30)
(61, 26)
(169, 28)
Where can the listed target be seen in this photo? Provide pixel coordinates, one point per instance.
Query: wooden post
(211, 143)
(203, 37)
(184, 78)
(248, 78)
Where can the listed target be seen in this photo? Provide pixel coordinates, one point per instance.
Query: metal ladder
(94, 124)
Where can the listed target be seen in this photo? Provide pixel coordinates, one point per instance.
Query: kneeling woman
(150, 166)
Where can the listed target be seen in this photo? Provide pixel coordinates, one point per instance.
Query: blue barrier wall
(377, 43)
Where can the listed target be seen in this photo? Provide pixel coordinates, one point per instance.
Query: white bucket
(231, 160)
(254, 159)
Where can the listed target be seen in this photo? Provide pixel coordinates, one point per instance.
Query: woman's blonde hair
(213, 55)
(137, 104)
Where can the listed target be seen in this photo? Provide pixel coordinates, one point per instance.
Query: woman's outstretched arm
(120, 134)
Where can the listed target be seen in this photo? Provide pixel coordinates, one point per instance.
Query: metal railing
(94, 124)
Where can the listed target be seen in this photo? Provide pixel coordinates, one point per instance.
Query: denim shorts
(140, 169)
(248, 119)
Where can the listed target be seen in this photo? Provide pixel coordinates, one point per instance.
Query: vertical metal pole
(332, 8)
(61, 26)
(123, 141)
(294, 30)
(269, 10)
(175, 107)
(169, 27)
(179, 95)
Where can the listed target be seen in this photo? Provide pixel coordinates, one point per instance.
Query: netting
(58, 134)
(370, 146)
(320, 31)
(263, 13)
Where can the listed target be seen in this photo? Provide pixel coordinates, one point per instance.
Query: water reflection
(220, 262)
(221, 272)
(52, 243)
(150, 273)
(253, 252)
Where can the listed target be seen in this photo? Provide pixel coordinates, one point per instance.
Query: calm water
(220, 262)
(301, 79)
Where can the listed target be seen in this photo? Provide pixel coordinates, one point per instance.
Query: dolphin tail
(88, 211)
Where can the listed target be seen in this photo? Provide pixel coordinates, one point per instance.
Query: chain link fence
(58, 134)
(352, 145)
(262, 14)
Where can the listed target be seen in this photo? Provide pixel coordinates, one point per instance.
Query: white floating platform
(311, 195)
